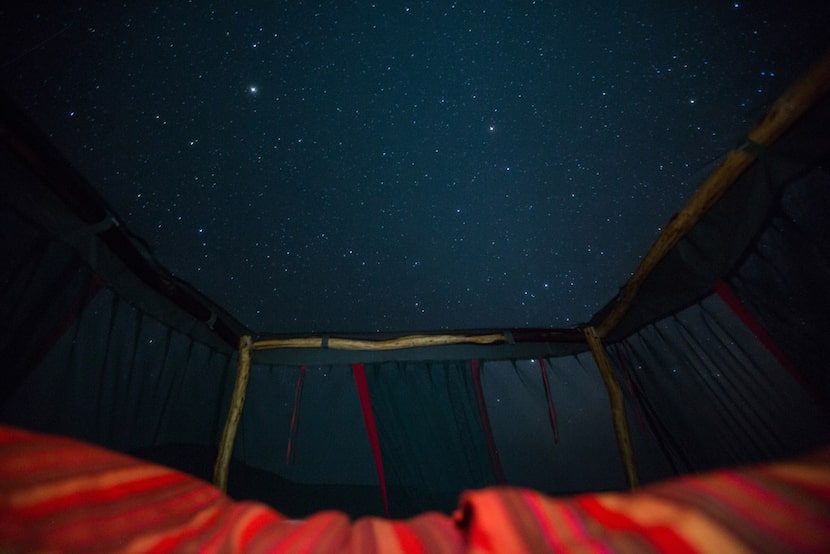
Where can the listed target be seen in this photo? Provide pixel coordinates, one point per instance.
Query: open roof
(401, 167)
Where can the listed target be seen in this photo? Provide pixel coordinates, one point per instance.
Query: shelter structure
(713, 354)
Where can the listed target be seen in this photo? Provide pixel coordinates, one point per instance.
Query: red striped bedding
(61, 495)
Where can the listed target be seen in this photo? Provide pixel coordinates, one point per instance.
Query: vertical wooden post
(617, 408)
(243, 371)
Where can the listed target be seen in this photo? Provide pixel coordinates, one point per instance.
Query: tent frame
(795, 101)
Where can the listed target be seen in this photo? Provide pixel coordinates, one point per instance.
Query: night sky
(402, 166)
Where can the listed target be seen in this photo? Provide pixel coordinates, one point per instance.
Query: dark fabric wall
(121, 379)
(430, 433)
(785, 280)
(43, 286)
(711, 395)
(585, 457)
(330, 444)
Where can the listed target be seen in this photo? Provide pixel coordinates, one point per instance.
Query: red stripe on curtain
(475, 368)
(289, 451)
(725, 292)
(359, 372)
(625, 366)
(551, 408)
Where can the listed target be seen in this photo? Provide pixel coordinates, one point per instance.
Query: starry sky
(402, 166)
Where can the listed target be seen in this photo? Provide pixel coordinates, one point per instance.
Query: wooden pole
(243, 372)
(786, 110)
(413, 341)
(617, 407)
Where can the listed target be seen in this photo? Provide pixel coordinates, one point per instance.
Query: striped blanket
(60, 495)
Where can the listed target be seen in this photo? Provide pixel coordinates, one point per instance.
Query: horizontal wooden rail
(412, 341)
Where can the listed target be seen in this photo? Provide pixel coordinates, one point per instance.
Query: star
(253, 90)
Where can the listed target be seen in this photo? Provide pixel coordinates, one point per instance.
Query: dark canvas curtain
(331, 466)
(43, 287)
(711, 394)
(122, 379)
(263, 430)
(330, 445)
(431, 435)
(784, 279)
(586, 456)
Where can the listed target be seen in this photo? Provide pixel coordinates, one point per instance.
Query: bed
(62, 495)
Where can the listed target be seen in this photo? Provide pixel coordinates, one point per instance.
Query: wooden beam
(789, 107)
(615, 397)
(413, 341)
(243, 372)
